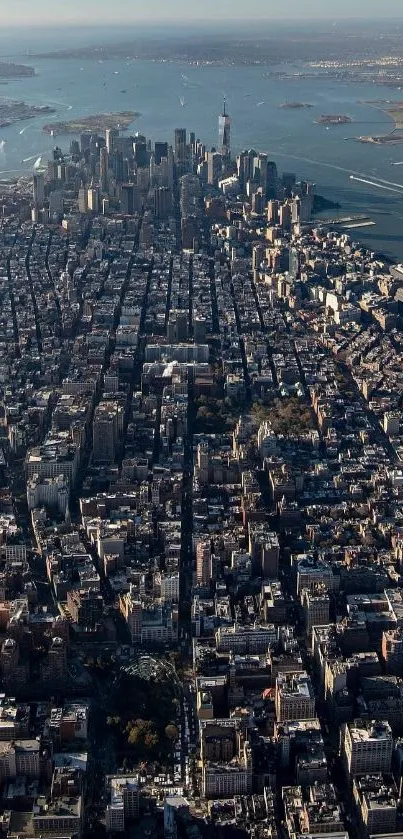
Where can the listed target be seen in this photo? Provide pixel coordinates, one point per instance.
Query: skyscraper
(162, 202)
(39, 190)
(272, 178)
(104, 434)
(180, 148)
(117, 166)
(245, 164)
(129, 199)
(214, 166)
(224, 131)
(111, 135)
(103, 169)
(160, 151)
(203, 561)
(260, 172)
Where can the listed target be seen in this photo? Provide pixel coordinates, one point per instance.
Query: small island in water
(295, 105)
(11, 112)
(9, 70)
(93, 124)
(334, 119)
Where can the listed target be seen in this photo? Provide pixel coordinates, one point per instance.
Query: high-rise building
(260, 172)
(141, 155)
(366, 746)
(160, 151)
(203, 562)
(129, 199)
(117, 166)
(272, 212)
(130, 605)
(177, 329)
(105, 434)
(180, 148)
(301, 208)
(124, 802)
(93, 199)
(376, 799)
(214, 167)
(111, 135)
(245, 164)
(288, 181)
(392, 650)
(316, 606)
(285, 216)
(84, 142)
(272, 178)
(189, 231)
(294, 263)
(14, 674)
(270, 556)
(82, 200)
(203, 462)
(224, 132)
(103, 169)
(162, 202)
(295, 698)
(39, 190)
(54, 668)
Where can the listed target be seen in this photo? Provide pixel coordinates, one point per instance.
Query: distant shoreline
(395, 112)
(295, 105)
(9, 70)
(95, 123)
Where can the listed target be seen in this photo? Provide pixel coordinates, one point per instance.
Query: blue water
(77, 88)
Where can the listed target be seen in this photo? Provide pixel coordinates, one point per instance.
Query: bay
(157, 89)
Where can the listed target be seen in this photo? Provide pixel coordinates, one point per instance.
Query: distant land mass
(11, 112)
(92, 124)
(334, 119)
(394, 110)
(8, 70)
(295, 105)
(251, 48)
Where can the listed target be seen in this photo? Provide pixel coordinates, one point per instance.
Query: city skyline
(98, 12)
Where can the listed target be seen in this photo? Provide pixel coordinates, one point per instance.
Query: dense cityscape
(201, 502)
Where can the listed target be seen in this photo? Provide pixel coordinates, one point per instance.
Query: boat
(182, 101)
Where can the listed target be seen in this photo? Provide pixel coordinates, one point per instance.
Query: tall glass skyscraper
(224, 133)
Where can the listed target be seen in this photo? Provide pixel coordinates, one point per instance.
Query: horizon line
(180, 22)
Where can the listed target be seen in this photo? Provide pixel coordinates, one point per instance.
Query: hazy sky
(40, 12)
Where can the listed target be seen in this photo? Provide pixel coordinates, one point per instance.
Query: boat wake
(380, 184)
(61, 104)
(34, 157)
(330, 166)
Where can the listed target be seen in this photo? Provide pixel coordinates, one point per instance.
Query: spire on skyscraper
(224, 130)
